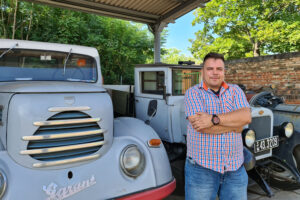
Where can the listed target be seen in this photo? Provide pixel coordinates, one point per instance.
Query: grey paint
(4, 101)
(49, 87)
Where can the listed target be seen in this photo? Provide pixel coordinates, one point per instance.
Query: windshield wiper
(15, 45)
(67, 61)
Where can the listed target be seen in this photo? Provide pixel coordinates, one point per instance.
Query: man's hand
(201, 121)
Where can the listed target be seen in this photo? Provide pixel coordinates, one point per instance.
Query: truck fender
(127, 126)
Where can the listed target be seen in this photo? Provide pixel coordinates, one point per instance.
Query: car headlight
(3, 182)
(288, 128)
(132, 161)
(249, 137)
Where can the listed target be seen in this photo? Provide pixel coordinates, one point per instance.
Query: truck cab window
(153, 82)
(183, 79)
(40, 65)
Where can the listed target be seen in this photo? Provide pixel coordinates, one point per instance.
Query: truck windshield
(183, 79)
(38, 65)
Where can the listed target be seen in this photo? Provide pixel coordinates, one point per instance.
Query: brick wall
(281, 71)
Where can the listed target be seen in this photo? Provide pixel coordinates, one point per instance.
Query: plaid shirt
(219, 152)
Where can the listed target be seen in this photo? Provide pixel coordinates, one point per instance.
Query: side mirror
(152, 107)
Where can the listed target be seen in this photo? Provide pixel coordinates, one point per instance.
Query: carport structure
(155, 13)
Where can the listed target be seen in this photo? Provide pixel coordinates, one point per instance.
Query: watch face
(216, 120)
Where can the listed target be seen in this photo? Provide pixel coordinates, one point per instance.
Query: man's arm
(221, 129)
(195, 120)
(232, 121)
(237, 118)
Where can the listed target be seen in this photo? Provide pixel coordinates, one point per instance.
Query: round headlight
(288, 129)
(132, 161)
(3, 182)
(249, 137)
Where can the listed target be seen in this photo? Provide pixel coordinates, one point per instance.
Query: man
(217, 112)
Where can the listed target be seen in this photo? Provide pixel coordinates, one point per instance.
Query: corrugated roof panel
(145, 11)
(146, 3)
(153, 8)
(148, 6)
(165, 7)
(165, 11)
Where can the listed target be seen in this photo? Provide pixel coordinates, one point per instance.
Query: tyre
(281, 177)
(296, 154)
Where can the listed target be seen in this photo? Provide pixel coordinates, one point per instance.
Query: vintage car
(284, 172)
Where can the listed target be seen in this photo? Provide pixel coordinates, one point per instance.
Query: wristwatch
(215, 119)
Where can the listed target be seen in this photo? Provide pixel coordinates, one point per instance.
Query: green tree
(16, 19)
(247, 28)
(173, 55)
(121, 44)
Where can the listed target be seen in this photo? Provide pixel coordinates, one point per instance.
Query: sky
(180, 32)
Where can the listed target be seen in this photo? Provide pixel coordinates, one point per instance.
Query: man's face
(213, 73)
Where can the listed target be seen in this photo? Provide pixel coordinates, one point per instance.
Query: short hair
(214, 55)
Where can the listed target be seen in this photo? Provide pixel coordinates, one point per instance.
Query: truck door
(150, 104)
(182, 79)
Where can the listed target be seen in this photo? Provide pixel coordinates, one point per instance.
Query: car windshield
(183, 79)
(38, 65)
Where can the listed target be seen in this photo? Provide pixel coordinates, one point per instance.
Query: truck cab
(58, 135)
(160, 88)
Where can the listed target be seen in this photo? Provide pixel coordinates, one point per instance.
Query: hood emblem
(261, 112)
(55, 193)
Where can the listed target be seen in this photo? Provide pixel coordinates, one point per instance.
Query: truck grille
(262, 128)
(66, 136)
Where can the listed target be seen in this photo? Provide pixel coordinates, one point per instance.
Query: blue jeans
(205, 184)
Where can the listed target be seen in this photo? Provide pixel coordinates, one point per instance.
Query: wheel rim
(281, 173)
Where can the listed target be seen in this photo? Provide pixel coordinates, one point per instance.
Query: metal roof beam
(101, 9)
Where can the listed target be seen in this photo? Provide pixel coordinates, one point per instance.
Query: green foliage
(173, 55)
(121, 44)
(246, 28)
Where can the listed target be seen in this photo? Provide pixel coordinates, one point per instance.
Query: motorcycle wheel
(282, 177)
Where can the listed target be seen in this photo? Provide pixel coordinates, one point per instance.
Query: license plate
(266, 144)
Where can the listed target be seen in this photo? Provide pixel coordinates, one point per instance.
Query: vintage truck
(158, 100)
(58, 135)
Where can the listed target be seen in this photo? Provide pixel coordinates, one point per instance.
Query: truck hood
(48, 87)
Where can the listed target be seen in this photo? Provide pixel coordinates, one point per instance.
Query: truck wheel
(282, 178)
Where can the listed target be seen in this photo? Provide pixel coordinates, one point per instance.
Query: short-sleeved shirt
(219, 152)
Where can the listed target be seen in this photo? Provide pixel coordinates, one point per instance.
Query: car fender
(284, 152)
